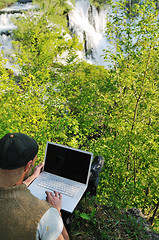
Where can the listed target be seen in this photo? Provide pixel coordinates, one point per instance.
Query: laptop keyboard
(59, 186)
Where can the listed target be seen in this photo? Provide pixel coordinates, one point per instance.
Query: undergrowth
(92, 221)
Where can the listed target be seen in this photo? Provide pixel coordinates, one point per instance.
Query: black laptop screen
(67, 162)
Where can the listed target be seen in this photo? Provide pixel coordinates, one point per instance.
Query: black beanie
(16, 150)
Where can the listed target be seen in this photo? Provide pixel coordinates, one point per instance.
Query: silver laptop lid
(67, 162)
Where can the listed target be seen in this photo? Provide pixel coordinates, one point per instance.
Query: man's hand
(35, 174)
(54, 199)
(37, 170)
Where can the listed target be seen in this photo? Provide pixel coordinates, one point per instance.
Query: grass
(92, 221)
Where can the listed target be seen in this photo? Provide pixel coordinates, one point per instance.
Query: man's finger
(60, 196)
(41, 166)
(48, 194)
(56, 193)
(52, 195)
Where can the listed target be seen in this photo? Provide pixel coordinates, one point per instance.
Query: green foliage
(131, 172)
(43, 41)
(99, 4)
(6, 3)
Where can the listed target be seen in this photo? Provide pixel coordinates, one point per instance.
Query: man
(22, 215)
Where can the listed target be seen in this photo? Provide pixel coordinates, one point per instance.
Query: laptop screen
(67, 162)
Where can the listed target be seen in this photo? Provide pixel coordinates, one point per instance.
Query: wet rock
(24, 1)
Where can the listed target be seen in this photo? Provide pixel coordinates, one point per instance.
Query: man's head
(17, 151)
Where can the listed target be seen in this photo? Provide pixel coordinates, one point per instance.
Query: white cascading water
(89, 24)
(84, 20)
(6, 27)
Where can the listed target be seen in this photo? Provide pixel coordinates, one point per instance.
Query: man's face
(28, 173)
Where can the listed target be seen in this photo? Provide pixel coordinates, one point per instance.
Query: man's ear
(28, 166)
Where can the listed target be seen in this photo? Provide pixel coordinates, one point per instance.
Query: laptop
(67, 171)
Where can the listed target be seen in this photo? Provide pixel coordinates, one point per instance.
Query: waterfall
(6, 28)
(88, 24)
(84, 20)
